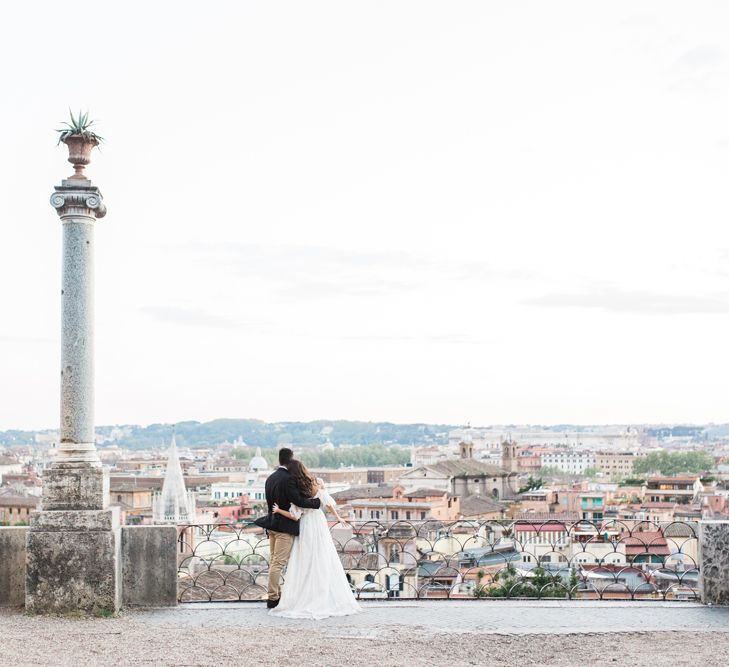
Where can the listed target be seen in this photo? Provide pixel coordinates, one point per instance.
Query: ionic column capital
(77, 201)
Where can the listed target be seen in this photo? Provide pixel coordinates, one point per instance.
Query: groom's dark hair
(284, 456)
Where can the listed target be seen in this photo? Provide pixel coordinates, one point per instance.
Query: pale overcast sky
(410, 211)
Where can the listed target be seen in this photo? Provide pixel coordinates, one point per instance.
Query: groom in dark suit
(282, 490)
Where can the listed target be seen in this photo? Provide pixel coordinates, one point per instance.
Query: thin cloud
(195, 317)
(695, 68)
(644, 302)
(485, 271)
(25, 339)
(641, 21)
(301, 272)
(700, 59)
(266, 259)
(299, 290)
(446, 338)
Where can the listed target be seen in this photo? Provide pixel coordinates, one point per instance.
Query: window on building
(422, 515)
(118, 498)
(394, 516)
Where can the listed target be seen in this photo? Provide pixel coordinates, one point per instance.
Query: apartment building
(681, 489)
(569, 461)
(616, 465)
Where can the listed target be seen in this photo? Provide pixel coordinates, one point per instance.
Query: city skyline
(489, 215)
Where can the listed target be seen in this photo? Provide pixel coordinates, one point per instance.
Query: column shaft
(77, 342)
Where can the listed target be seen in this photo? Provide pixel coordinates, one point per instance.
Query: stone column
(76, 480)
(73, 546)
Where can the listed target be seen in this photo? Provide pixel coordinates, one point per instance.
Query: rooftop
(368, 491)
(390, 502)
(156, 482)
(427, 493)
(12, 500)
(477, 504)
(543, 517)
(464, 468)
(129, 486)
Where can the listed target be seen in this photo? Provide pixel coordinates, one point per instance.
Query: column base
(69, 486)
(713, 560)
(73, 562)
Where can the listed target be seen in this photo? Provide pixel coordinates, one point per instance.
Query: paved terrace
(387, 633)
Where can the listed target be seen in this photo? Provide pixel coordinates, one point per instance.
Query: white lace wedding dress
(315, 585)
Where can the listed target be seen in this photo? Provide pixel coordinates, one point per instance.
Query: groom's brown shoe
(271, 603)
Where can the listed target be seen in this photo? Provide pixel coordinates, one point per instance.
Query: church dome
(258, 463)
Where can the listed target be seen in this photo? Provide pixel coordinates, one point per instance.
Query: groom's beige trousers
(280, 545)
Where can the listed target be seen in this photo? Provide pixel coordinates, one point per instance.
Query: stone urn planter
(79, 152)
(80, 141)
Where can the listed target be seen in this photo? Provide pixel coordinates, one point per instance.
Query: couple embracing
(299, 539)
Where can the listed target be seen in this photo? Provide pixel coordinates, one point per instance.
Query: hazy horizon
(375, 421)
(404, 211)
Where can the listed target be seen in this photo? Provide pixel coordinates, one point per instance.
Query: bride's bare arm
(327, 501)
(277, 510)
(336, 514)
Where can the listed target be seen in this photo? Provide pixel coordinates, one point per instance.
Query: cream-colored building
(617, 465)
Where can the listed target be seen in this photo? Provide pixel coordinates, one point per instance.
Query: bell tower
(509, 461)
(466, 447)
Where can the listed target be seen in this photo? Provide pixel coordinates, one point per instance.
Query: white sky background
(409, 211)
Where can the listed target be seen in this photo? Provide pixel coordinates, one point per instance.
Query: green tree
(480, 591)
(574, 581)
(633, 481)
(540, 584)
(363, 456)
(674, 463)
(532, 483)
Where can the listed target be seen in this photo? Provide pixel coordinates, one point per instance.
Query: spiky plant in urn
(80, 141)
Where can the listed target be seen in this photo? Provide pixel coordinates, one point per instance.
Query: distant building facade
(465, 476)
(575, 462)
(681, 489)
(616, 465)
(15, 510)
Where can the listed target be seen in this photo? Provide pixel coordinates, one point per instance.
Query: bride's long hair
(302, 478)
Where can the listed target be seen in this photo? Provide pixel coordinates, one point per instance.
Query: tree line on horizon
(364, 456)
(270, 435)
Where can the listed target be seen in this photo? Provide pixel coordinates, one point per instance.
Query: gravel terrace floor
(393, 633)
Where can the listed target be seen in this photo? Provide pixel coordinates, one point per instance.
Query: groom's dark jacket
(281, 489)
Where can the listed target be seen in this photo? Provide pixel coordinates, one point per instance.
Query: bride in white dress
(316, 585)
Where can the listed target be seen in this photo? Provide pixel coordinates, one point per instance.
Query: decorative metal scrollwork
(461, 559)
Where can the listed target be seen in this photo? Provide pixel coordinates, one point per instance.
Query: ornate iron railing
(461, 560)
